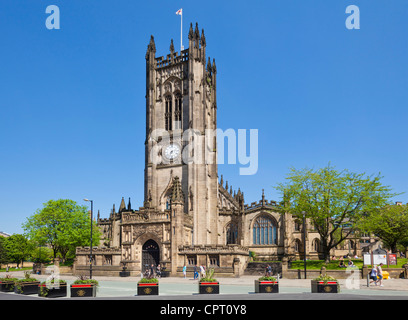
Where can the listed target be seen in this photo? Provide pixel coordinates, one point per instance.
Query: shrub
(325, 278)
(209, 277)
(267, 279)
(84, 280)
(147, 280)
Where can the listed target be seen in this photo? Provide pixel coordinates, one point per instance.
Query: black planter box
(83, 290)
(147, 289)
(26, 287)
(322, 287)
(266, 286)
(52, 292)
(7, 286)
(209, 288)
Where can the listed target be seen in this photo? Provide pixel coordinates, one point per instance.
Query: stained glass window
(264, 231)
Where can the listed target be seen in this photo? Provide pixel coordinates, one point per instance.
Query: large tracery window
(264, 231)
(168, 114)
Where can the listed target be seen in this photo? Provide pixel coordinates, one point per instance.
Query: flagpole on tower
(180, 13)
(181, 31)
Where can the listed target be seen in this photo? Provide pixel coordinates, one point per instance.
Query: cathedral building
(190, 215)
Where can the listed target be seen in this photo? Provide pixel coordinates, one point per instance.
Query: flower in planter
(45, 286)
(209, 284)
(19, 284)
(82, 279)
(148, 286)
(7, 283)
(84, 287)
(266, 284)
(326, 279)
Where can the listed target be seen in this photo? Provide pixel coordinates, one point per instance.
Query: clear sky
(72, 100)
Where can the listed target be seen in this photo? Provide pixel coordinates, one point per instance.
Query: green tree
(63, 225)
(42, 254)
(334, 201)
(18, 248)
(4, 257)
(389, 223)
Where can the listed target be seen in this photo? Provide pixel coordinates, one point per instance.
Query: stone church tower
(188, 216)
(180, 108)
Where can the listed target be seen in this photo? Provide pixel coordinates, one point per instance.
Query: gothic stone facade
(190, 216)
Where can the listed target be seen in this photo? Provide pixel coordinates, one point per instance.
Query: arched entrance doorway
(150, 254)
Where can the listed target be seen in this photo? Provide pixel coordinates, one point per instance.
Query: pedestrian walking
(202, 270)
(185, 271)
(380, 274)
(195, 272)
(373, 275)
(268, 271)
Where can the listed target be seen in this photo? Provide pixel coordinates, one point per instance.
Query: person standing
(380, 274)
(151, 275)
(195, 272)
(158, 271)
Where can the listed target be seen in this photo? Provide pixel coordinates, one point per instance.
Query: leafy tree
(389, 223)
(18, 248)
(63, 225)
(4, 257)
(334, 201)
(42, 254)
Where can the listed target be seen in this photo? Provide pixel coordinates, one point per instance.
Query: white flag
(179, 12)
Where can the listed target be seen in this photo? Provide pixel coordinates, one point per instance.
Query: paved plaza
(172, 288)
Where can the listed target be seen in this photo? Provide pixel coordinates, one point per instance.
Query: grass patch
(334, 264)
(318, 264)
(15, 269)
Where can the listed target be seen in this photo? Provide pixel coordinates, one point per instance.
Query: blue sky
(72, 100)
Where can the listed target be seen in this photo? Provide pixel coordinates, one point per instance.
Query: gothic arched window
(297, 245)
(264, 231)
(168, 114)
(316, 245)
(232, 233)
(178, 112)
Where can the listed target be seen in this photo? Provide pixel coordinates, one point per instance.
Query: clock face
(172, 151)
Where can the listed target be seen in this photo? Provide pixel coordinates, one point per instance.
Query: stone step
(259, 268)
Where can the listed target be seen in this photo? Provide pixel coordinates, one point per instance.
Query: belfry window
(264, 231)
(168, 114)
(168, 203)
(178, 111)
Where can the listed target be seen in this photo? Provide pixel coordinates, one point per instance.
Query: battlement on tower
(171, 59)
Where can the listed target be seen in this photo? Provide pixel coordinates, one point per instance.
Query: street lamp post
(304, 240)
(90, 258)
